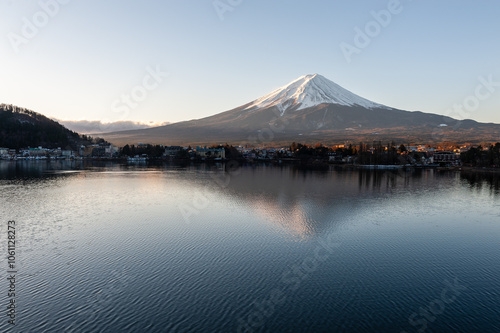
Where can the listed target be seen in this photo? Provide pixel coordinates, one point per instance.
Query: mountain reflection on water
(303, 202)
(106, 247)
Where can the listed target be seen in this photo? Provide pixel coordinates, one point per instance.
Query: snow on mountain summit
(311, 90)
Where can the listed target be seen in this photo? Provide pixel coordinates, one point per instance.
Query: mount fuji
(311, 109)
(309, 91)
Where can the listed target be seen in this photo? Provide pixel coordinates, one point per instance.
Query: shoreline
(295, 163)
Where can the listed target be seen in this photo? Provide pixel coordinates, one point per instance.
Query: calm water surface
(116, 248)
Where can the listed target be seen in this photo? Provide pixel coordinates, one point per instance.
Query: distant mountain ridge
(312, 109)
(94, 127)
(22, 128)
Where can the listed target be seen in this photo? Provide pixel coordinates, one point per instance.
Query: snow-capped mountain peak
(311, 90)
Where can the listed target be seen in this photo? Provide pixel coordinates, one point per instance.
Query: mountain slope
(311, 109)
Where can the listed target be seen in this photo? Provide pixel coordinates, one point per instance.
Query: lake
(138, 248)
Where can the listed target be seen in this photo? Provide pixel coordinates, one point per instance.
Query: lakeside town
(374, 153)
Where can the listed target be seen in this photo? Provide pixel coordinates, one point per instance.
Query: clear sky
(83, 56)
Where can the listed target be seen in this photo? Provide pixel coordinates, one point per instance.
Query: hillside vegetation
(22, 128)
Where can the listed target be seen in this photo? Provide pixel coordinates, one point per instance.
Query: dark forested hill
(21, 128)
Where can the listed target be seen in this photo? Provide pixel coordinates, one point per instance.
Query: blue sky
(86, 55)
